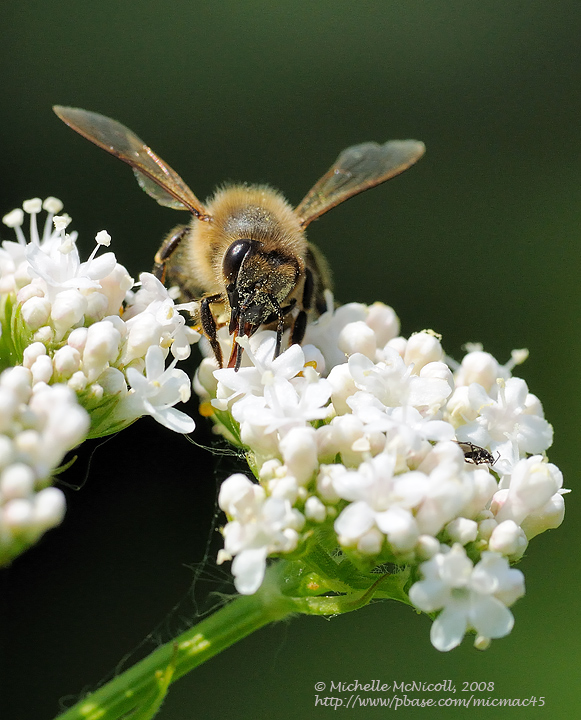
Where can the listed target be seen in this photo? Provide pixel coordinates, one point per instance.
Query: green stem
(139, 686)
(141, 689)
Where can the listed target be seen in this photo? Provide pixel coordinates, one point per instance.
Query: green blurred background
(479, 241)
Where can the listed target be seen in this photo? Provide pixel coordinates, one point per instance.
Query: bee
(244, 255)
(476, 455)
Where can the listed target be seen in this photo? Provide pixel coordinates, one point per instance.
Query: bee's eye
(233, 259)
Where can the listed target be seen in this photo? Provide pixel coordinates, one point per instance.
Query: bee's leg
(279, 316)
(170, 245)
(321, 273)
(279, 330)
(209, 325)
(236, 356)
(300, 324)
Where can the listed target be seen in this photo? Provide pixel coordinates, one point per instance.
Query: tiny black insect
(476, 455)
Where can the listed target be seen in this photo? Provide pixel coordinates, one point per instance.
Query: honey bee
(244, 255)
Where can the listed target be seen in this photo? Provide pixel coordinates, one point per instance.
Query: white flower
(68, 309)
(66, 360)
(315, 509)
(469, 596)
(324, 332)
(64, 316)
(39, 424)
(382, 464)
(514, 416)
(509, 539)
(349, 437)
(35, 312)
(381, 499)
(259, 526)
(101, 348)
(548, 517)
(450, 488)
(64, 270)
(383, 321)
(143, 332)
(299, 452)
(408, 420)
(64, 424)
(480, 367)
(157, 393)
(42, 369)
(533, 484)
(422, 348)
(265, 369)
(114, 287)
(343, 387)
(150, 292)
(393, 383)
(48, 509)
(462, 530)
(152, 318)
(357, 337)
(285, 405)
(17, 480)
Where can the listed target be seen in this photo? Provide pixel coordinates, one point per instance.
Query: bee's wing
(358, 168)
(154, 176)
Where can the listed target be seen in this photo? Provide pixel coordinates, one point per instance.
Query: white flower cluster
(364, 432)
(81, 324)
(90, 350)
(39, 424)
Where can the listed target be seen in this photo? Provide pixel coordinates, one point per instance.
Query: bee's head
(257, 284)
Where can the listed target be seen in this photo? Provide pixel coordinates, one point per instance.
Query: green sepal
(11, 352)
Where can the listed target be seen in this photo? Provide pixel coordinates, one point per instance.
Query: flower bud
(48, 509)
(18, 379)
(67, 310)
(299, 452)
(509, 539)
(42, 369)
(97, 306)
(16, 515)
(548, 517)
(31, 353)
(479, 367)
(343, 387)
(67, 361)
(370, 543)
(144, 331)
(462, 530)
(315, 510)
(383, 321)
(77, 338)
(17, 481)
(101, 348)
(422, 348)
(35, 312)
(357, 337)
